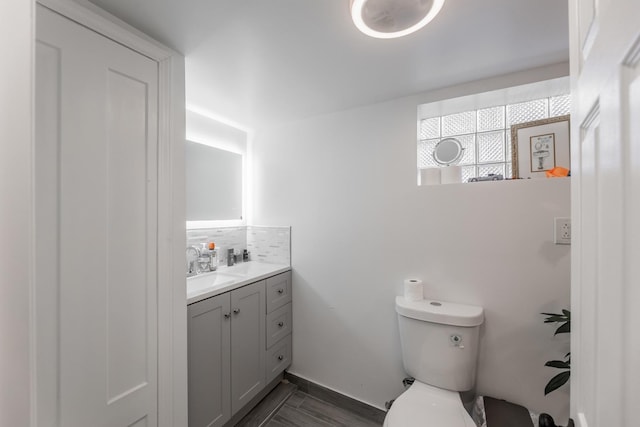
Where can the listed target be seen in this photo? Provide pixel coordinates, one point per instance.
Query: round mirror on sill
(448, 152)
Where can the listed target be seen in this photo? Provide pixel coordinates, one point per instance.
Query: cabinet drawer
(278, 358)
(278, 324)
(278, 291)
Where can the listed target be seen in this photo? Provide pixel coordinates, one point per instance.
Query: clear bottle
(213, 263)
(204, 260)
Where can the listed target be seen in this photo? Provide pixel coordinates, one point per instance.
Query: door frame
(172, 307)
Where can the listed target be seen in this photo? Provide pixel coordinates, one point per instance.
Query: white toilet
(439, 349)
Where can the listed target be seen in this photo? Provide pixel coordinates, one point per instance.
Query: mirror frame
(455, 159)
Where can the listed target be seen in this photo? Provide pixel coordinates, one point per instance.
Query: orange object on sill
(212, 246)
(557, 172)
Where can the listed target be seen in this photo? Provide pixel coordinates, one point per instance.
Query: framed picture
(539, 146)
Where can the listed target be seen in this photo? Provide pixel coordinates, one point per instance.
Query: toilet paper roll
(413, 290)
(430, 176)
(451, 175)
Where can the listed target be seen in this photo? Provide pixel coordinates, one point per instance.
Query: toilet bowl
(439, 344)
(423, 405)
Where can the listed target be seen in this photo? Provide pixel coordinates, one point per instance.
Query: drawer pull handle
(280, 291)
(227, 315)
(280, 324)
(280, 357)
(236, 310)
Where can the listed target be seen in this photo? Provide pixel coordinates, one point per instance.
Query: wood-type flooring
(287, 406)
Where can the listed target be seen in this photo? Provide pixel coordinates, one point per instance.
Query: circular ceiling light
(387, 19)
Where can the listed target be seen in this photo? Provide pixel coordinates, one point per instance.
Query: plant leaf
(554, 315)
(560, 364)
(565, 328)
(567, 313)
(567, 355)
(557, 382)
(557, 318)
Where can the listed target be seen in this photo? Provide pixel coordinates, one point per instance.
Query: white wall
(16, 106)
(216, 133)
(346, 183)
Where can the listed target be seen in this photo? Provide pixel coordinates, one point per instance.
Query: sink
(208, 281)
(252, 269)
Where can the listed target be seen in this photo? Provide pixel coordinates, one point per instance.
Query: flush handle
(456, 341)
(236, 310)
(227, 315)
(280, 324)
(280, 291)
(280, 357)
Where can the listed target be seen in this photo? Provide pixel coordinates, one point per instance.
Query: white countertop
(226, 279)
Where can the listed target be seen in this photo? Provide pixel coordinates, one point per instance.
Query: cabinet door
(247, 343)
(209, 362)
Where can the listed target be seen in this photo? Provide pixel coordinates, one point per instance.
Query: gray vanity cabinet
(248, 337)
(226, 357)
(209, 339)
(238, 344)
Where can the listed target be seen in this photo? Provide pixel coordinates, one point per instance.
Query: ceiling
(259, 62)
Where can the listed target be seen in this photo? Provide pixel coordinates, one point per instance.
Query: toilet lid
(423, 405)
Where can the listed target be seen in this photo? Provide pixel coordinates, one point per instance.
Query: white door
(605, 71)
(96, 229)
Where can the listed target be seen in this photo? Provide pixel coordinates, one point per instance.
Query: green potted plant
(560, 379)
(564, 319)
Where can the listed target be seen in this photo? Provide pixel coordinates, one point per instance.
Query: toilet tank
(440, 342)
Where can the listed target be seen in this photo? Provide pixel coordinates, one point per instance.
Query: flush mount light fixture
(387, 19)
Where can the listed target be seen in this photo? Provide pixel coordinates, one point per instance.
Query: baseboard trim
(330, 396)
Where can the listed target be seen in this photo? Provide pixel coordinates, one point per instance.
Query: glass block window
(491, 119)
(527, 111)
(457, 124)
(559, 105)
(485, 134)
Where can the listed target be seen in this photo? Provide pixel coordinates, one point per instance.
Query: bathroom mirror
(448, 151)
(214, 183)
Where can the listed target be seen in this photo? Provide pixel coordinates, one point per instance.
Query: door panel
(589, 290)
(46, 201)
(128, 241)
(99, 190)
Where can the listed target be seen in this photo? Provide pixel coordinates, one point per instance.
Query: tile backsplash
(265, 244)
(270, 244)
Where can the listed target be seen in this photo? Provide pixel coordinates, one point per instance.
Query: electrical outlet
(562, 231)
